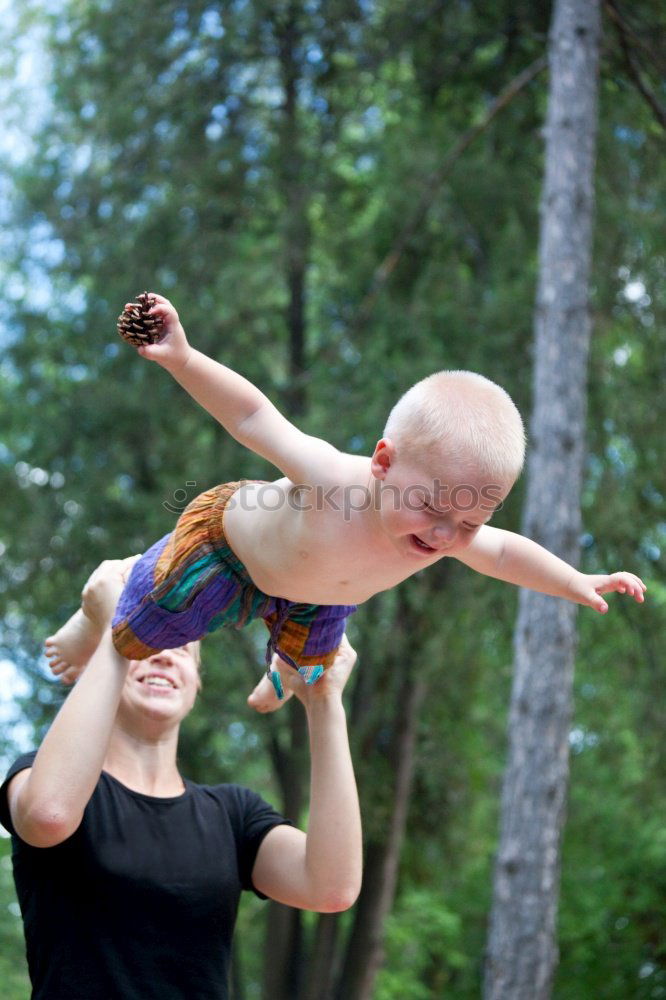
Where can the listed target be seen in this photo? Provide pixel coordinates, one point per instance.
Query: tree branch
(619, 20)
(623, 32)
(385, 269)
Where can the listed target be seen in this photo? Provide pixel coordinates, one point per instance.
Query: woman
(129, 875)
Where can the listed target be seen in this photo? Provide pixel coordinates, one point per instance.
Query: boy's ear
(383, 458)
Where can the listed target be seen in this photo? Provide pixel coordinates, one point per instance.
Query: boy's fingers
(148, 353)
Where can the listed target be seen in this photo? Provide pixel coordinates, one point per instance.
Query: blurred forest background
(338, 204)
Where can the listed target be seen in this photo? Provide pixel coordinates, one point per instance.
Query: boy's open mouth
(421, 545)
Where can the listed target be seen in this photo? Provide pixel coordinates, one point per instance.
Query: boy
(303, 551)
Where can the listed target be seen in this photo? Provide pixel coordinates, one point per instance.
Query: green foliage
(163, 165)
(422, 942)
(13, 970)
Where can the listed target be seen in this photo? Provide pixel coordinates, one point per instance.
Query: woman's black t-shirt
(140, 902)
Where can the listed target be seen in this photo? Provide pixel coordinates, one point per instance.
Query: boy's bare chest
(314, 555)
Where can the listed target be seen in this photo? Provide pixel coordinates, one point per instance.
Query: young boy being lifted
(303, 551)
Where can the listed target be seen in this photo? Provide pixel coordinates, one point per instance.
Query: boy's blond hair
(464, 417)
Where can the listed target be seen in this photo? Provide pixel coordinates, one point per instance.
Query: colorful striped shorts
(191, 583)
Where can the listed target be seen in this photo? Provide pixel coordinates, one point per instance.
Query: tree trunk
(322, 963)
(283, 952)
(522, 951)
(283, 955)
(237, 980)
(365, 947)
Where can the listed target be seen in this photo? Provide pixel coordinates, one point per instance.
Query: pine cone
(136, 326)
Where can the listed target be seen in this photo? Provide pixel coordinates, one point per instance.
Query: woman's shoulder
(228, 793)
(241, 803)
(24, 761)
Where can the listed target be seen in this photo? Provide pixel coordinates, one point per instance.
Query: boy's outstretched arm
(515, 559)
(242, 409)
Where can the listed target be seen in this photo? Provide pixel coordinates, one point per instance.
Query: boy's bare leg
(71, 646)
(264, 697)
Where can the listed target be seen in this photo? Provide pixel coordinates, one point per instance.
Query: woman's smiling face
(163, 686)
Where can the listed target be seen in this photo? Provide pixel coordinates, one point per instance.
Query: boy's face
(430, 512)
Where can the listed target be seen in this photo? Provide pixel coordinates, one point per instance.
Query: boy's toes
(262, 701)
(264, 698)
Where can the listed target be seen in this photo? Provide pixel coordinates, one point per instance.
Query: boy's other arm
(515, 559)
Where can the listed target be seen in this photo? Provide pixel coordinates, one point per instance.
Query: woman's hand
(103, 588)
(331, 682)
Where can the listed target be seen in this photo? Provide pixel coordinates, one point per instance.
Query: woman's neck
(145, 762)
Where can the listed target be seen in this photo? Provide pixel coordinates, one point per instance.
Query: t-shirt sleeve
(254, 818)
(20, 764)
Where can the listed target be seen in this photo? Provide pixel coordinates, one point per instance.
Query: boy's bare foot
(264, 697)
(69, 650)
(72, 646)
(70, 675)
